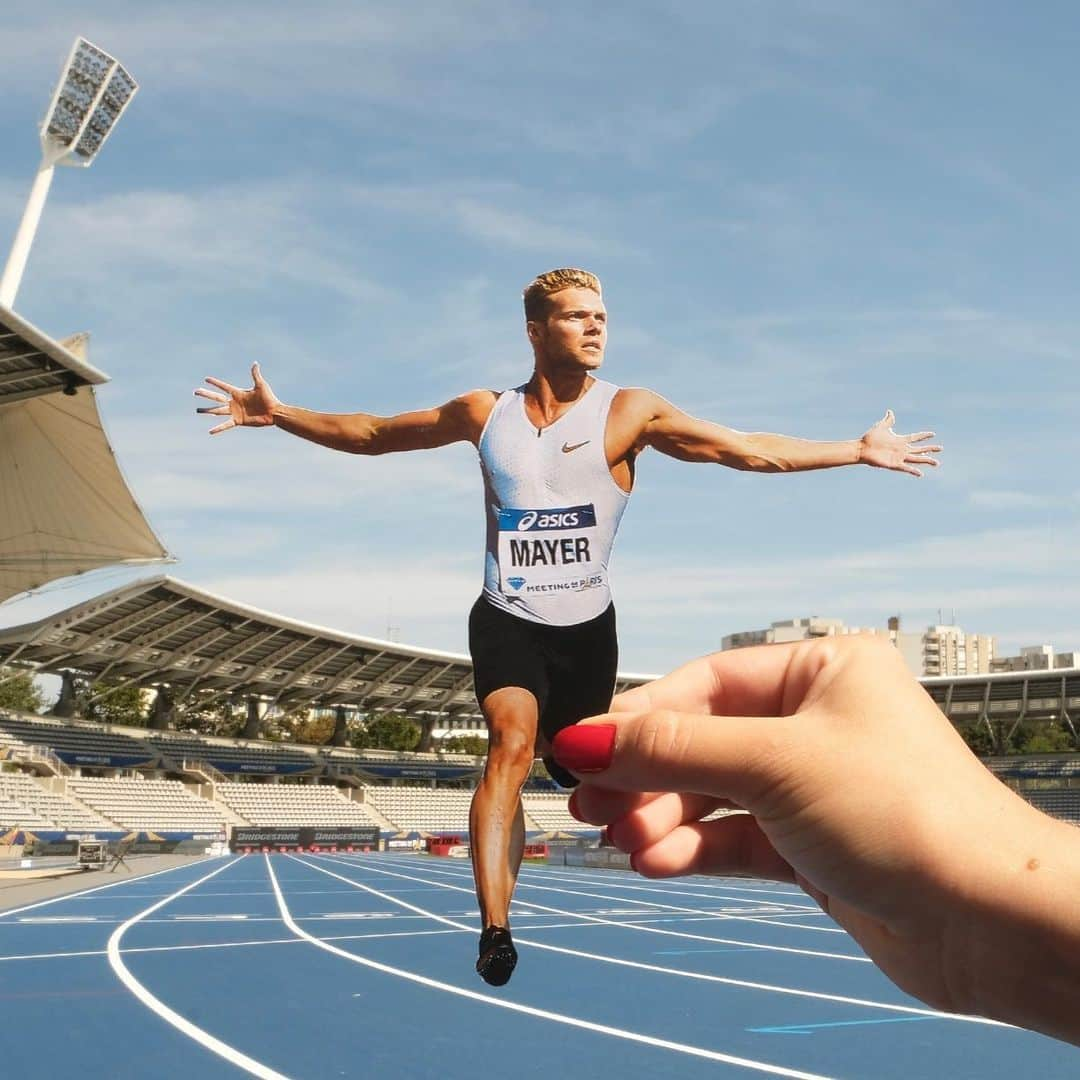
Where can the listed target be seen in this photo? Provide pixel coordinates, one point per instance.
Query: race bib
(548, 551)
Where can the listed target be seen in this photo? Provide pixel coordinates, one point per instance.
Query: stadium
(209, 867)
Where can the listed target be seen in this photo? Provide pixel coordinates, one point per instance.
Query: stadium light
(93, 92)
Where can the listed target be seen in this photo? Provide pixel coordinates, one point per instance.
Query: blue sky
(803, 213)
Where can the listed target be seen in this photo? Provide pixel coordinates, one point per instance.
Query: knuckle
(661, 735)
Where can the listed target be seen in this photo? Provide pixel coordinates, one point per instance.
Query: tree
(476, 745)
(1042, 737)
(978, 737)
(207, 712)
(20, 692)
(302, 727)
(113, 702)
(386, 731)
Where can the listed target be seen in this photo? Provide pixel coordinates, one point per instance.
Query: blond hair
(540, 288)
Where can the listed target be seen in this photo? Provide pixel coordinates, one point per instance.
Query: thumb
(256, 374)
(726, 757)
(888, 419)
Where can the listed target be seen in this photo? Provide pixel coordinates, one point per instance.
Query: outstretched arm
(459, 420)
(675, 433)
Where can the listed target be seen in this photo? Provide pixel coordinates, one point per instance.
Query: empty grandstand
(27, 802)
(81, 744)
(417, 809)
(231, 757)
(294, 804)
(150, 805)
(1049, 781)
(547, 811)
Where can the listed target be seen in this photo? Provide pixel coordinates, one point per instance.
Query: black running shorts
(570, 670)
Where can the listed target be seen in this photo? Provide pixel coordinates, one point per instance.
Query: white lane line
(655, 904)
(355, 915)
(100, 888)
(637, 924)
(768, 916)
(170, 1016)
(229, 944)
(795, 894)
(528, 1010)
(59, 919)
(210, 918)
(630, 880)
(700, 976)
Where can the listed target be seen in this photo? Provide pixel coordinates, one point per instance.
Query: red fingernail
(585, 748)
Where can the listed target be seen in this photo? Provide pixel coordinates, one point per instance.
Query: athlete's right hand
(244, 408)
(859, 790)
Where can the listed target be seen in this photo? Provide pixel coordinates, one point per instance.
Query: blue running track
(362, 966)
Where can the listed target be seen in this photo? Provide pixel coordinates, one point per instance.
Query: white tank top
(552, 509)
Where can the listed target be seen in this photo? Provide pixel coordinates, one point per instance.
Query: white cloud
(1018, 500)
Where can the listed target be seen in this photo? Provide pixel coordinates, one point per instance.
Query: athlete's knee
(510, 749)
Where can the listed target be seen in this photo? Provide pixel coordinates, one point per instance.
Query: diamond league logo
(515, 582)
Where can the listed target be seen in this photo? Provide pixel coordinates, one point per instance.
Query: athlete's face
(574, 333)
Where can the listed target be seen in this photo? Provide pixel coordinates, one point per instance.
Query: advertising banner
(256, 837)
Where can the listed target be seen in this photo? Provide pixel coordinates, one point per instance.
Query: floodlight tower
(93, 91)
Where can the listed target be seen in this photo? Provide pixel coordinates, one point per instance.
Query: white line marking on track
(817, 994)
(182, 1024)
(651, 905)
(208, 918)
(97, 889)
(355, 915)
(629, 880)
(528, 1010)
(636, 925)
(59, 919)
(229, 944)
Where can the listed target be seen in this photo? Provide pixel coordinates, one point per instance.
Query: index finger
(222, 385)
(764, 680)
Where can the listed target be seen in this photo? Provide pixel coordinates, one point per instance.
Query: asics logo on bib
(563, 517)
(565, 520)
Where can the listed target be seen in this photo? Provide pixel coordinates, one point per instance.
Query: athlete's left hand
(884, 449)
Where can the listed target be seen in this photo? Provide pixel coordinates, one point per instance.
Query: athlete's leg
(511, 685)
(496, 820)
(582, 683)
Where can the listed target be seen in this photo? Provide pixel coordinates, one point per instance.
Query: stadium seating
(293, 804)
(548, 811)
(28, 804)
(66, 739)
(420, 809)
(231, 757)
(1061, 803)
(1053, 767)
(150, 805)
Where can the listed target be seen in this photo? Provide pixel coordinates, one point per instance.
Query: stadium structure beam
(93, 92)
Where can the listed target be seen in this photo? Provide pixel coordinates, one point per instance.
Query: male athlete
(557, 456)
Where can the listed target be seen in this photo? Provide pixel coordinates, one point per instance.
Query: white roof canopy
(65, 507)
(32, 363)
(163, 631)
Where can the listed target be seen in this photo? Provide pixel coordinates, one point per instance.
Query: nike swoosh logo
(568, 449)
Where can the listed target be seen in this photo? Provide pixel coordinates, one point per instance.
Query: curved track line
(203, 1038)
(744, 983)
(528, 1010)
